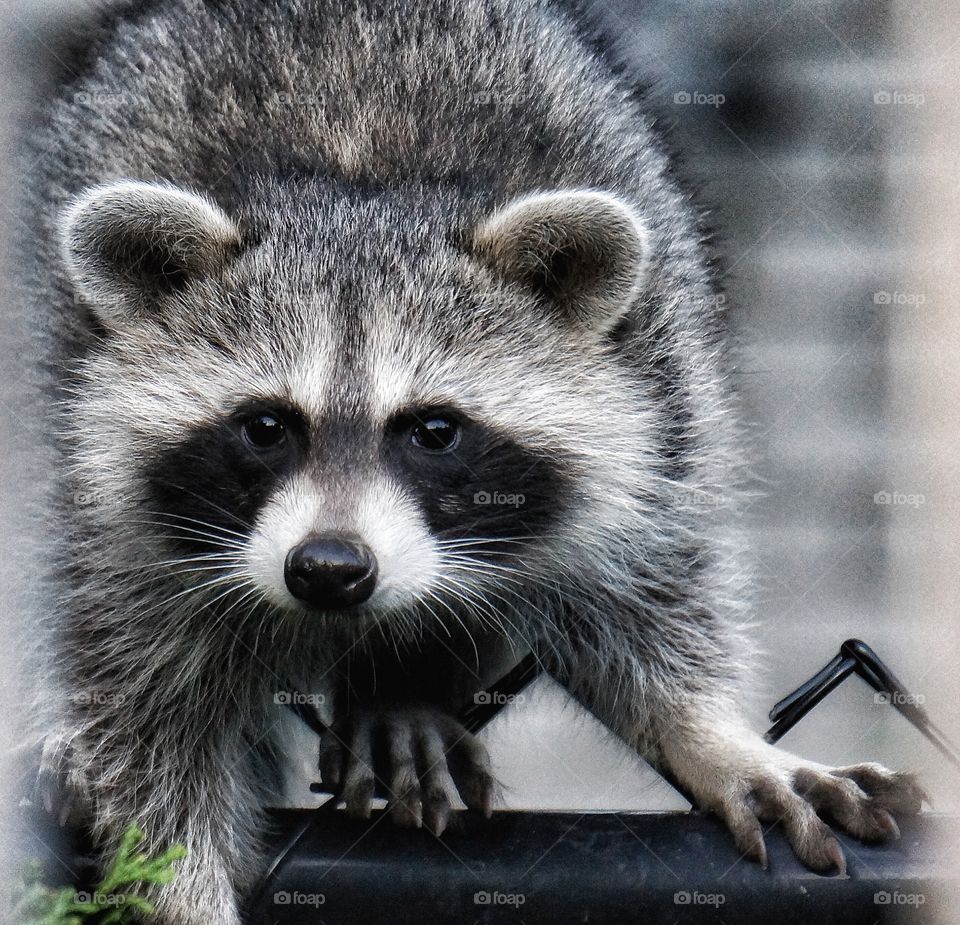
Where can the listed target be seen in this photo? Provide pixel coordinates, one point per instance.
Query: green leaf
(115, 901)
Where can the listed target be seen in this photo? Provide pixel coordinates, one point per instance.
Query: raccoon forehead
(166, 390)
(528, 393)
(519, 375)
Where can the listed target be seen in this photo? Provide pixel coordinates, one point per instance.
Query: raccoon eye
(436, 434)
(263, 431)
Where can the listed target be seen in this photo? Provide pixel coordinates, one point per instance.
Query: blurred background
(825, 137)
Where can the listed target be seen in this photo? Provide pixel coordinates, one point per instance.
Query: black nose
(331, 572)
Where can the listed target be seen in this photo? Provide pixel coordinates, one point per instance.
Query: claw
(835, 853)
(436, 817)
(424, 756)
(59, 787)
(745, 781)
(897, 792)
(742, 821)
(887, 823)
(756, 850)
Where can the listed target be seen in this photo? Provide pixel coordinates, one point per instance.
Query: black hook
(856, 657)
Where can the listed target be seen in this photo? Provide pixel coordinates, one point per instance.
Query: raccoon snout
(331, 571)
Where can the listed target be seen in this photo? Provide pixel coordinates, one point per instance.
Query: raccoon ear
(586, 251)
(128, 244)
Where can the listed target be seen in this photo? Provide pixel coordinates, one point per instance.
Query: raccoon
(380, 343)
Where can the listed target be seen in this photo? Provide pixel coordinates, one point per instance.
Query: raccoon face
(370, 422)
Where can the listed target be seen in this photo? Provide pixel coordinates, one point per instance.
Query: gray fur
(355, 160)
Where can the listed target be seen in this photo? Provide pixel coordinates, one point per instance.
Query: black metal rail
(556, 868)
(559, 868)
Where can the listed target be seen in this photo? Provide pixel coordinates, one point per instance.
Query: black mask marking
(215, 476)
(488, 485)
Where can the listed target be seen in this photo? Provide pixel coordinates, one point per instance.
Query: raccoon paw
(421, 756)
(859, 799)
(59, 788)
